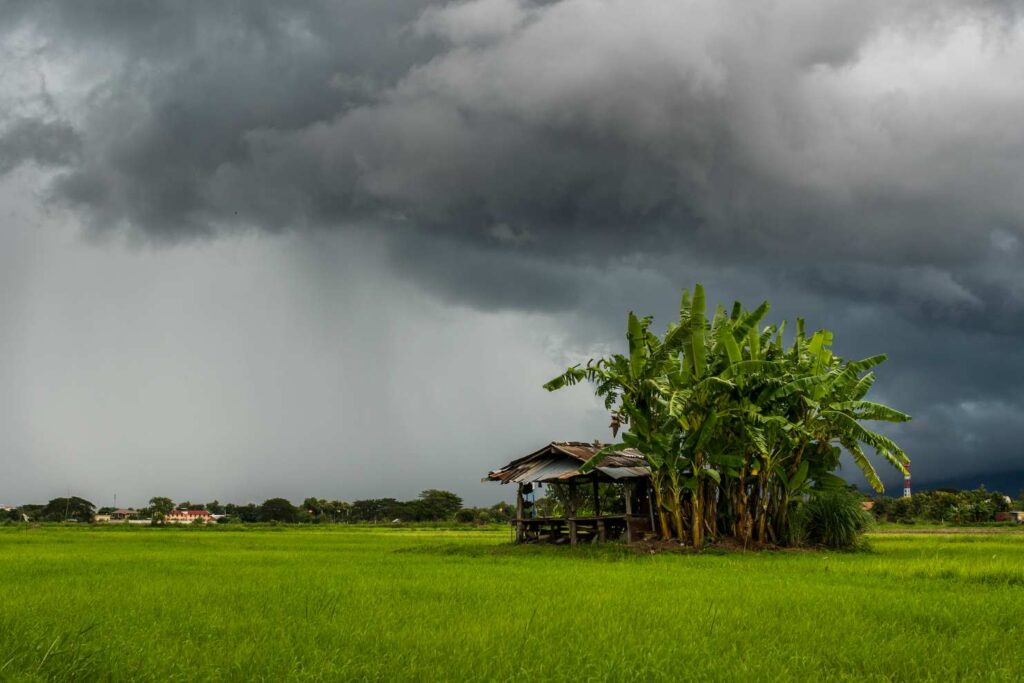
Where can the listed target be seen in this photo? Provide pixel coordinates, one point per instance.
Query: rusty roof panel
(561, 460)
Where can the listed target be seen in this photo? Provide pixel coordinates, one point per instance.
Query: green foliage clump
(278, 510)
(943, 505)
(432, 505)
(436, 505)
(68, 509)
(833, 518)
(736, 425)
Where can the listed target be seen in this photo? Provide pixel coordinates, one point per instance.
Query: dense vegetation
(737, 427)
(342, 602)
(432, 505)
(946, 505)
(56, 510)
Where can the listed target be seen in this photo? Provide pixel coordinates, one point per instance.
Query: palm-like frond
(708, 388)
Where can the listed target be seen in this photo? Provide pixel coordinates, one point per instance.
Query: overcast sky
(334, 248)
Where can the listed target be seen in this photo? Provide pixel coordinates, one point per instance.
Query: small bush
(835, 519)
(796, 525)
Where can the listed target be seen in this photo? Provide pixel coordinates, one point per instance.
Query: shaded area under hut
(557, 466)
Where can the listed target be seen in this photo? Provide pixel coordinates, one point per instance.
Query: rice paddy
(359, 603)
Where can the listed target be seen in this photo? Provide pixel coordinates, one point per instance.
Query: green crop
(427, 604)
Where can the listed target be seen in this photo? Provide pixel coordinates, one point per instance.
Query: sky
(334, 248)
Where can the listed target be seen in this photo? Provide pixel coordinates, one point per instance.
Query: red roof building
(189, 516)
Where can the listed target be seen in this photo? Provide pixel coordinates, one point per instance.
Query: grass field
(387, 604)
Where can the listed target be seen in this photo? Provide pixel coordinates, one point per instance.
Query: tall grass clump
(835, 519)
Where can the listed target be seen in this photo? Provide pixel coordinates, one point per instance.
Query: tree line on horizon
(946, 505)
(432, 505)
(952, 506)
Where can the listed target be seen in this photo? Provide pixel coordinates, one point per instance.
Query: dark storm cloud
(47, 143)
(864, 160)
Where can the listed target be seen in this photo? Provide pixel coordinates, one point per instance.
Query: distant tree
(33, 512)
(61, 509)
(502, 512)
(315, 508)
(161, 505)
(250, 512)
(277, 510)
(436, 505)
(371, 510)
(466, 515)
(383, 510)
(943, 505)
(189, 505)
(105, 510)
(339, 510)
(215, 508)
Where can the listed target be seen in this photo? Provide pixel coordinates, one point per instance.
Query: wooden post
(650, 508)
(571, 513)
(629, 510)
(597, 499)
(520, 526)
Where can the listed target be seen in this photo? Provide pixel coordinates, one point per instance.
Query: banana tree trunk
(711, 510)
(677, 516)
(659, 501)
(698, 518)
(739, 505)
(763, 504)
(781, 516)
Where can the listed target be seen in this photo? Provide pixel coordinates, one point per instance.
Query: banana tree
(632, 388)
(825, 397)
(734, 424)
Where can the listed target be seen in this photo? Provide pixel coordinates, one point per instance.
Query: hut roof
(561, 461)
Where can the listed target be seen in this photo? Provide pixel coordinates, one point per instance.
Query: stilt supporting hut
(559, 463)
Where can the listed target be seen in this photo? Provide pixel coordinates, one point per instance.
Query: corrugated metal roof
(625, 472)
(561, 460)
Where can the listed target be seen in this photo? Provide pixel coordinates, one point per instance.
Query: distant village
(176, 516)
(432, 505)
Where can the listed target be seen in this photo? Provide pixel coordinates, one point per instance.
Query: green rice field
(318, 603)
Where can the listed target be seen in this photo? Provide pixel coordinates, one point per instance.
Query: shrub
(796, 525)
(834, 518)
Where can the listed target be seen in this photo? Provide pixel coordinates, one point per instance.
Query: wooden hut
(559, 463)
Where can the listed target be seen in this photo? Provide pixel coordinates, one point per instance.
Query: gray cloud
(47, 143)
(860, 163)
